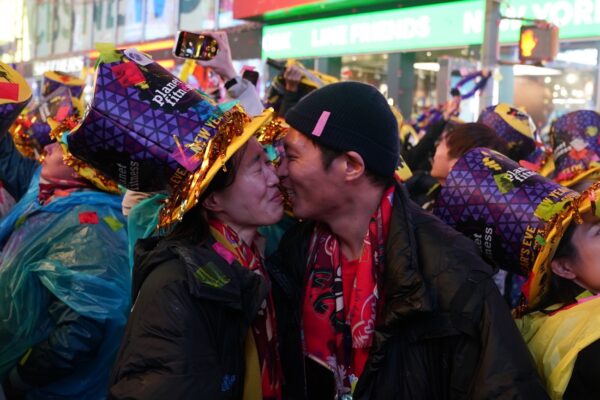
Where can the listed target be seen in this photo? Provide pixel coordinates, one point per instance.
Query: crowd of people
(158, 243)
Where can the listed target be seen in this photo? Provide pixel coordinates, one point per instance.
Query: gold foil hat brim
(187, 194)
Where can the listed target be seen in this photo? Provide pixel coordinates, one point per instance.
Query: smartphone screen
(195, 46)
(251, 76)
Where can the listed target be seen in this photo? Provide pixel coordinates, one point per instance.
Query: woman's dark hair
(194, 226)
(562, 291)
(465, 137)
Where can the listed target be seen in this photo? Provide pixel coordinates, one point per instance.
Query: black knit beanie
(351, 116)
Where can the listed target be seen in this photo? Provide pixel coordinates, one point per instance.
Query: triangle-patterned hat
(149, 131)
(514, 126)
(15, 93)
(516, 216)
(576, 141)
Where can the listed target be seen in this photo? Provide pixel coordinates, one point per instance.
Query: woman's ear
(212, 203)
(563, 267)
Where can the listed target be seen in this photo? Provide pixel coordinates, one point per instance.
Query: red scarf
(49, 188)
(337, 338)
(263, 326)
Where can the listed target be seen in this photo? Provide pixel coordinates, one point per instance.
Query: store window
(567, 84)
(368, 68)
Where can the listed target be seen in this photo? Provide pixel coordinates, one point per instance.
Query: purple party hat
(514, 126)
(576, 142)
(149, 131)
(52, 80)
(513, 214)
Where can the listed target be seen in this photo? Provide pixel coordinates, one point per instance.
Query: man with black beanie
(376, 298)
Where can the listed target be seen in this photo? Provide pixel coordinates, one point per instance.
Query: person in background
(15, 94)
(21, 151)
(453, 144)
(376, 298)
(529, 224)
(418, 157)
(64, 280)
(292, 75)
(16, 171)
(458, 141)
(293, 83)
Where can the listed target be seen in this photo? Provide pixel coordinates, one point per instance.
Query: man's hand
(221, 63)
(292, 77)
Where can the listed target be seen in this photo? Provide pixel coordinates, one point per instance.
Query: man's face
(313, 191)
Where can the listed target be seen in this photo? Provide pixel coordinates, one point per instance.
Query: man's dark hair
(465, 137)
(328, 154)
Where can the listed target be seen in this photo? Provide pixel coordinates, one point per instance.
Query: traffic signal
(538, 43)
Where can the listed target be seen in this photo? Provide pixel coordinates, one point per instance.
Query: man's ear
(212, 203)
(563, 268)
(354, 165)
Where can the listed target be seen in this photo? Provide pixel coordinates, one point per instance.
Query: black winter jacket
(445, 333)
(185, 336)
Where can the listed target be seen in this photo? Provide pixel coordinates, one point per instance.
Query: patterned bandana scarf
(263, 326)
(55, 187)
(334, 337)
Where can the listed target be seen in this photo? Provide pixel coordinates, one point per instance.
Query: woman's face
(583, 267)
(442, 163)
(253, 199)
(53, 166)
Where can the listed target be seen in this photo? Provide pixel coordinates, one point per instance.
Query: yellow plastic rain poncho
(556, 339)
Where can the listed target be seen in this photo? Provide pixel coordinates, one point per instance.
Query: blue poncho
(74, 248)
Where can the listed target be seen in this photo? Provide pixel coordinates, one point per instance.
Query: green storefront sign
(451, 24)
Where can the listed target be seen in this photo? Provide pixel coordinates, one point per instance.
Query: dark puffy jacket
(445, 331)
(185, 336)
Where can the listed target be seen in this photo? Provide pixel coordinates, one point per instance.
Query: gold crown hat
(31, 130)
(15, 93)
(149, 131)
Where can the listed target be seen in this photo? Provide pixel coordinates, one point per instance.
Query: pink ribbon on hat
(318, 129)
